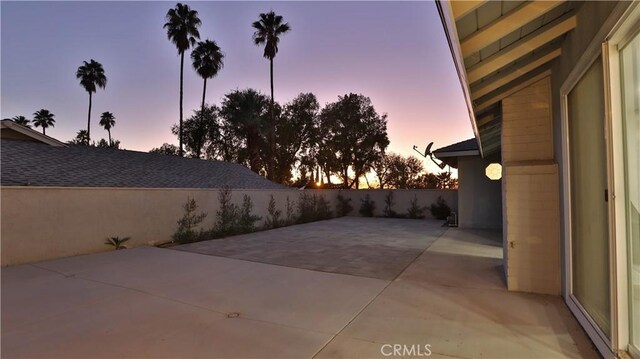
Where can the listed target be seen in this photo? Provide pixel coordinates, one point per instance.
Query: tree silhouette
(21, 120)
(355, 136)
(182, 30)
(107, 121)
(268, 30)
(243, 114)
(207, 61)
(45, 119)
(91, 76)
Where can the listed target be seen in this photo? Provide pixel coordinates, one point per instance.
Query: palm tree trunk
(44, 130)
(110, 143)
(89, 121)
(181, 73)
(272, 136)
(204, 93)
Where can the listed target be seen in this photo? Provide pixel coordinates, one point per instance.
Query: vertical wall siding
(531, 191)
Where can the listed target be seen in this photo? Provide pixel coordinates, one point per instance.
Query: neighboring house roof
(450, 154)
(27, 163)
(14, 131)
(464, 148)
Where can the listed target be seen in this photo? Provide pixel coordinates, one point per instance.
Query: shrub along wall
(40, 223)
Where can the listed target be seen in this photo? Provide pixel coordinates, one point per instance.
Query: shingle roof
(468, 145)
(36, 164)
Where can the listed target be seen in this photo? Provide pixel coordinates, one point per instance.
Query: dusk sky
(393, 52)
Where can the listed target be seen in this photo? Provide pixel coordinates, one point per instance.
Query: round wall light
(494, 171)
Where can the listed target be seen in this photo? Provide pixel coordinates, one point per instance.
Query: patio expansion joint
(140, 291)
(378, 295)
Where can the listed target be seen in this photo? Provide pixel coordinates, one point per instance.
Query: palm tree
(91, 76)
(44, 119)
(108, 120)
(207, 61)
(21, 120)
(267, 32)
(182, 29)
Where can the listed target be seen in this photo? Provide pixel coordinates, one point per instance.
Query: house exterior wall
(591, 18)
(479, 198)
(530, 192)
(40, 223)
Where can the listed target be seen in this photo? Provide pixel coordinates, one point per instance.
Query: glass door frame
(625, 30)
(617, 29)
(600, 339)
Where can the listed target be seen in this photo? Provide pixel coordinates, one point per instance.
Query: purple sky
(393, 52)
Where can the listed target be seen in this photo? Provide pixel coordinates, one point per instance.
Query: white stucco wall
(40, 223)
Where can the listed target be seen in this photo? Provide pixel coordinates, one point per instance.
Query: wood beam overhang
(518, 71)
(522, 47)
(504, 92)
(505, 24)
(461, 8)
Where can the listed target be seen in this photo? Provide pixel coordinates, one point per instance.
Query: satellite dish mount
(429, 154)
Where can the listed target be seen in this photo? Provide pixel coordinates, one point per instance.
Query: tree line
(346, 139)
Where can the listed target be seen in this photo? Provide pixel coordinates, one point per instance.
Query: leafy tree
(104, 144)
(107, 121)
(243, 114)
(182, 30)
(355, 137)
(268, 30)
(45, 119)
(445, 181)
(91, 76)
(80, 139)
(166, 149)
(295, 133)
(427, 180)
(21, 120)
(400, 172)
(207, 61)
(201, 132)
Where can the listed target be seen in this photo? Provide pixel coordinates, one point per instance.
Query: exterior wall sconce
(493, 171)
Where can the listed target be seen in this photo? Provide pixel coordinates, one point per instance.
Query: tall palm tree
(107, 121)
(21, 120)
(267, 32)
(207, 61)
(44, 119)
(91, 76)
(182, 30)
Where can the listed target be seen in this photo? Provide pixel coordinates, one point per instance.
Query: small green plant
(323, 209)
(388, 206)
(415, 211)
(313, 208)
(344, 206)
(117, 242)
(306, 208)
(231, 219)
(367, 206)
(273, 220)
(186, 225)
(290, 216)
(226, 216)
(246, 221)
(440, 209)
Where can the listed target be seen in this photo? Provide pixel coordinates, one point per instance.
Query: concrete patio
(254, 297)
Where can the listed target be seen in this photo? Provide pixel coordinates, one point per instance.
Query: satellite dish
(427, 151)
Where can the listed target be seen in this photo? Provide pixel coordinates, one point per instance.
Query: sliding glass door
(630, 94)
(590, 268)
